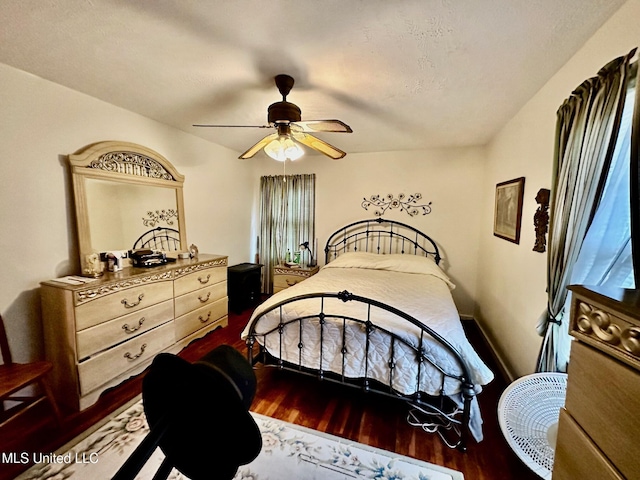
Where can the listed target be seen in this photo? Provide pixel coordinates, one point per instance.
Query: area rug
(289, 452)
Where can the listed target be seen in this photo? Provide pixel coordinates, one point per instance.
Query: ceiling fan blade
(233, 126)
(334, 126)
(258, 146)
(319, 145)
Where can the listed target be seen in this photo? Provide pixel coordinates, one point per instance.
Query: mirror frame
(126, 163)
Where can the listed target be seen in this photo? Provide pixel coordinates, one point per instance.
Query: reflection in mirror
(124, 192)
(120, 213)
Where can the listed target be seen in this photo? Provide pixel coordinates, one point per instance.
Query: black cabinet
(244, 282)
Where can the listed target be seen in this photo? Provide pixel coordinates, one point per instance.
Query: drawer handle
(129, 329)
(126, 303)
(205, 320)
(291, 284)
(205, 299)
(128, 356)
(206, 280)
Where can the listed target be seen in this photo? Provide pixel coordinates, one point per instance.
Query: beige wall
(449, 178)
(40, 122)
(501, 283)
(512, 278)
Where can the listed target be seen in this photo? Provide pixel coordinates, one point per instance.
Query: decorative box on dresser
(102, 332)
(285, 277)
(599, 428)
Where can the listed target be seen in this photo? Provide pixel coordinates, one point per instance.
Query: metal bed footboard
(444, 417)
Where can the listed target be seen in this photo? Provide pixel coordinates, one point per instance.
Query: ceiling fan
(291, 131)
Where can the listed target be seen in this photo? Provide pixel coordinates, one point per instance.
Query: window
(590, 239)
(287, 219)
(605, 255)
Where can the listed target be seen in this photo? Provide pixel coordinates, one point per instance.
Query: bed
(379, 316)
(159, 238)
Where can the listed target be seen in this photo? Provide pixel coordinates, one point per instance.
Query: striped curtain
(588, 125)
(287, 219)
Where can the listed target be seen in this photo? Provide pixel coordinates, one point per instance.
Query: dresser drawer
(190, 301)
(608, 415)
(280, 282)
(121, 303)
(198, 279)
(576, 457)
(285, 277)
(94, 339)
(200, 318)
(117, 360)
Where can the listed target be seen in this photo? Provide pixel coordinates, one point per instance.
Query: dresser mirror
(126, 196)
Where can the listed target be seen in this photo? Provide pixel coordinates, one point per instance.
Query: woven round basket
(528, 415)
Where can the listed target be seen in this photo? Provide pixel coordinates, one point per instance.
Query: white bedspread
(415, 285)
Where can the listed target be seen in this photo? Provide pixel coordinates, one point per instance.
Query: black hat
(204, 407)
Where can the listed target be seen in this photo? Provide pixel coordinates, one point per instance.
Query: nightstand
(285, 277)
(244, 284)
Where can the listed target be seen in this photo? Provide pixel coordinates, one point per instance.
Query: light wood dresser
(101, 333)
(285, 277)
(599, 428)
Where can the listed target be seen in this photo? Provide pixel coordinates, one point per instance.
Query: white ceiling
(404, 74)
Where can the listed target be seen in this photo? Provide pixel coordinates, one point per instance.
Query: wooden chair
(14, 377)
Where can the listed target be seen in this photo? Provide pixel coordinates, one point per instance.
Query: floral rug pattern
(288, 452)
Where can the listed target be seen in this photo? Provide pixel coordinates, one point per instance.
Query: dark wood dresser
(599, 427)
(244, 285)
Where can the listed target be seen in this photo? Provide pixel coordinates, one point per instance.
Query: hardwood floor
(323, 406)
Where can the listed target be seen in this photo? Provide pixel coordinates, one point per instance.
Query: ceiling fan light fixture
(292, 133)
(283, 148)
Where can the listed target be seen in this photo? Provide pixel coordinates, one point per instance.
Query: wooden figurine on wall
(541, 220)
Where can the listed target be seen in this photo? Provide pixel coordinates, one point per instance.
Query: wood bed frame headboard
(382, 237)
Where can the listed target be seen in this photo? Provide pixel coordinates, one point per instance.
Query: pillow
(391, 262)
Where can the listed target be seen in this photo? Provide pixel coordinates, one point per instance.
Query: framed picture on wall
(508, 209)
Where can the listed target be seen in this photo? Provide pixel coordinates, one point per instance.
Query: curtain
(635, 182)
(287, 219)
(605, 256)
(587, 127)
